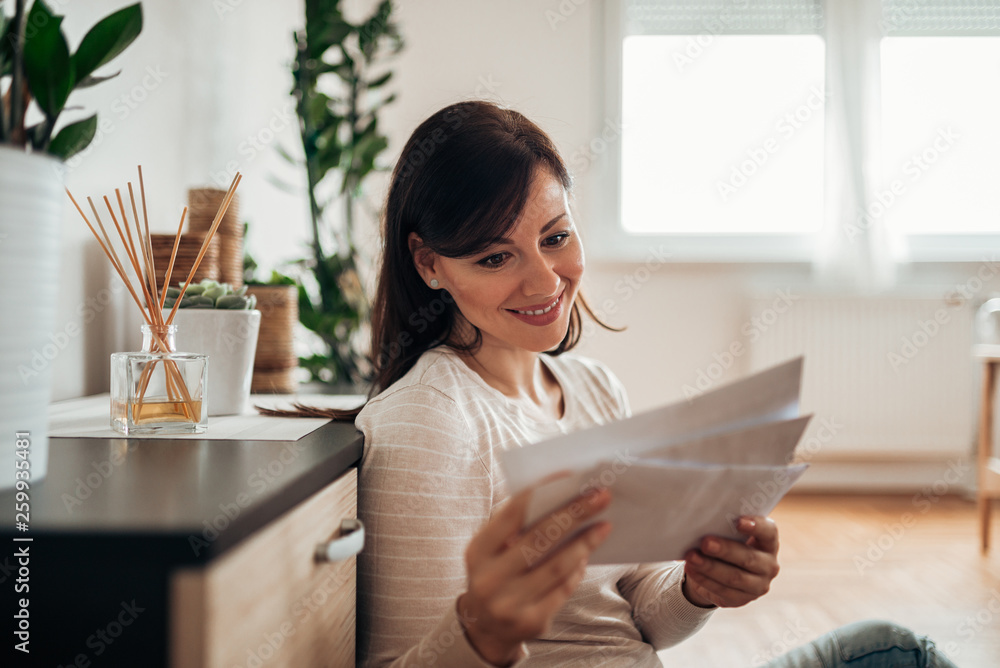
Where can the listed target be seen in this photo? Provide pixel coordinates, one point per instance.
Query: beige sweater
(430, 478)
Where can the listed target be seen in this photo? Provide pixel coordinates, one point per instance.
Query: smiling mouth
(538, 311)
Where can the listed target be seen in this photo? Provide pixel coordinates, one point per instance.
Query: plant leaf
(380, 81)
(108, 38)
(74, 138)
(46, 59)
(92, 80)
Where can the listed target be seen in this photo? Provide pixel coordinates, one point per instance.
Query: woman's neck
(514, 372)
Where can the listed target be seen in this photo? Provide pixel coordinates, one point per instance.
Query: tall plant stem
(16, 86)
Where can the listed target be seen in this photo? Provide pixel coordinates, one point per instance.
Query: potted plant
(341, 141)
(38, 73)
(223, 323)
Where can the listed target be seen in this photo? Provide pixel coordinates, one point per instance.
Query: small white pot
(229, 338)
(31, 211)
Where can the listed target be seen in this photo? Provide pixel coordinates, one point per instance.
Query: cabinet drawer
(269, 602)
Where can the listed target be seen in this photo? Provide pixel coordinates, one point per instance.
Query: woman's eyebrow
(506, 241)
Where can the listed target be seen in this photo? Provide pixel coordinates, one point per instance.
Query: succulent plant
(211, 294)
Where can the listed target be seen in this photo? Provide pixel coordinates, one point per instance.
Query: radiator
(888, 378)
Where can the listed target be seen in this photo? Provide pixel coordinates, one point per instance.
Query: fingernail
(696, 559)
(599, 497)
(747, 524)
(712, 546)
(599, 534)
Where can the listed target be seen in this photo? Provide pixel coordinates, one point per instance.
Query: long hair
(462, 179)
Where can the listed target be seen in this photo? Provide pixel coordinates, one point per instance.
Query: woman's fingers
(763, 532)
(555, 571)
(547, 534)
(731, 577)
(717, 593)
(730, 573)
(542, 611)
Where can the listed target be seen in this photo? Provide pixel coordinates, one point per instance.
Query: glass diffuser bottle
(159, 390)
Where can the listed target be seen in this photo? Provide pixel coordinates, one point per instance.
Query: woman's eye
(486, 262)
(497, 260)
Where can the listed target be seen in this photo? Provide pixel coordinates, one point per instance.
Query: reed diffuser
(158, 389)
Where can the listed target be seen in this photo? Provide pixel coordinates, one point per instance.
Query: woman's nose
(542, 279)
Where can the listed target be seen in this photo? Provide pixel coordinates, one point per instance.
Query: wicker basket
(276, 361)
(203, 204)
(187, 251)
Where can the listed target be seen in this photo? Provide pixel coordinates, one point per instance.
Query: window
(940, 133)
(757, 130)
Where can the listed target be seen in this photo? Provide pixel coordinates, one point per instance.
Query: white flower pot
(31, 211)
(229, 338)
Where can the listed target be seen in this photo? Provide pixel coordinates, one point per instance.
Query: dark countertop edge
(175, 545)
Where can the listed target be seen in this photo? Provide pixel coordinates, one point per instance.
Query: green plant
(35, 55)
(341, 141)
(211, 294)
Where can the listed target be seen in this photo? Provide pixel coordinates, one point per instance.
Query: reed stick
(208, 239)
(147, 248)
(173, 256)
(132, 256)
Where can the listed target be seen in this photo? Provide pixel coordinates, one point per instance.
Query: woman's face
(540, 264)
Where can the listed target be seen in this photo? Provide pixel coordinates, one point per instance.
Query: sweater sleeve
(660, 610)
(423, 493)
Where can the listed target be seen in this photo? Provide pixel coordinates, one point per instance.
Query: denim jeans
(867, 644)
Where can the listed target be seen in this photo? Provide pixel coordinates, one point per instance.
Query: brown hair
(462, 179)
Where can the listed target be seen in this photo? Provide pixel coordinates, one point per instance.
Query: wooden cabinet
(270, 599)
(122, 526)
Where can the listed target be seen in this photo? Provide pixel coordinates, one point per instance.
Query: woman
(477, 306)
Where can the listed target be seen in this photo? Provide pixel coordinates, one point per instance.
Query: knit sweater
(430, 478)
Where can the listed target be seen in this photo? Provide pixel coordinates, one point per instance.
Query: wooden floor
(910, 560)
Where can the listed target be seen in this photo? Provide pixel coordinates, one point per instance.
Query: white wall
(225, 79)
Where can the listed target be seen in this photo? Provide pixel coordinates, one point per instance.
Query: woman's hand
(517, 581)
(728, 573)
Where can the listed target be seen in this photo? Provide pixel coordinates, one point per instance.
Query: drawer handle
(350, 542)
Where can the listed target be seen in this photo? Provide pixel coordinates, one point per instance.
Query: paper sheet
(675, 473)
(89, 417)
(764, 397)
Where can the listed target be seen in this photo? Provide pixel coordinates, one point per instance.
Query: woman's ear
(423, 257)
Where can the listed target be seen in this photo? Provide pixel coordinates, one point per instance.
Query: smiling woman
(476, 312)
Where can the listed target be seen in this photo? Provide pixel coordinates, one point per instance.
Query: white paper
(89, 417)
(764, 397)
(676, 473)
